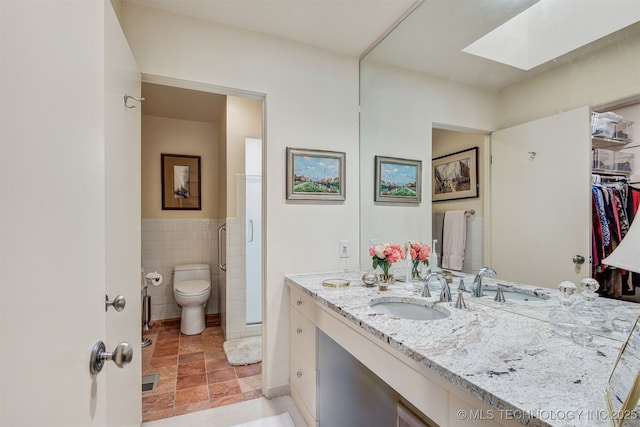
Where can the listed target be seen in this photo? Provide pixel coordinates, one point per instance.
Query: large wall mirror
(422, 97)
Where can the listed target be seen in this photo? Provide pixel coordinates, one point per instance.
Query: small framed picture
(315, 174)
(455, 176)
(180, 182)
(398, 180)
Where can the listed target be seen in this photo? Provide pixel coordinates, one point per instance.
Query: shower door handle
(221, 230)
(250, 231)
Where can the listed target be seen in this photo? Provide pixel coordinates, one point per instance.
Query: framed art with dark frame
(455, 175)
(398, 180)
(180, 182)
(315, 174)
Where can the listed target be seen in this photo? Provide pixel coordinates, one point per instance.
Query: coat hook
(532, 155)
(126, 98)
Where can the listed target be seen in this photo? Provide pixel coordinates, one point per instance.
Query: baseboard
(277, 391)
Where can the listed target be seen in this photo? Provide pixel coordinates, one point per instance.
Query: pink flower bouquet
(420, 253)
(385, 254)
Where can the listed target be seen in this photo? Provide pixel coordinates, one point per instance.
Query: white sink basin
(409, 308)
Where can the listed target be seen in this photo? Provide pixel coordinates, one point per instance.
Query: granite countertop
(503, 354)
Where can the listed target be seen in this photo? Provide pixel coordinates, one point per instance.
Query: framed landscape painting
(455, 176)
(315, 174)
(398, 180)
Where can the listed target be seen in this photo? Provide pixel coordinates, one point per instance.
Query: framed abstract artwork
(180, 182)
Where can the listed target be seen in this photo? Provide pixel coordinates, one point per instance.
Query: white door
(123, 235)
(541, 199)
(55, 217)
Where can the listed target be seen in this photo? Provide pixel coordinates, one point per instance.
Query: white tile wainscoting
(173, 241)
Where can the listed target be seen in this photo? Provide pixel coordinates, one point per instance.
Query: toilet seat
(193, 287)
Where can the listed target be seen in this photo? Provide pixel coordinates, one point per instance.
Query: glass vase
(385, 279)
(416, 271)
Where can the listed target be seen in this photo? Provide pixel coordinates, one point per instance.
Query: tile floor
(232, 415)
(193, 371)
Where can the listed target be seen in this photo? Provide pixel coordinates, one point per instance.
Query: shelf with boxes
(611, 127)
(612, 162)
(611, 133)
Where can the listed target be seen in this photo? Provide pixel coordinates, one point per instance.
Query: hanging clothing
(614, 205)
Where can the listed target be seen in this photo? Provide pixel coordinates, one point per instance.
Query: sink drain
(149, 382)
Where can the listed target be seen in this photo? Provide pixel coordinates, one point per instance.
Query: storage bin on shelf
(623, 162)
(604, 160)
(612, 126)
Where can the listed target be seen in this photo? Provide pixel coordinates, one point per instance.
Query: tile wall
(173, 241)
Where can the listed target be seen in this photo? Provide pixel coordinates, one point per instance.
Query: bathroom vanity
(491, 364)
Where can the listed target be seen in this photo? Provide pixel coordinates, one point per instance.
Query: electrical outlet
(344, 249)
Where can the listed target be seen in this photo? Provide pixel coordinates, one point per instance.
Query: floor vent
(149, 382)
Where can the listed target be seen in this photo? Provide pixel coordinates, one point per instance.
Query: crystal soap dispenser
(561, 318)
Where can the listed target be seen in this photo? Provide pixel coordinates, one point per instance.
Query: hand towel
(454, 239)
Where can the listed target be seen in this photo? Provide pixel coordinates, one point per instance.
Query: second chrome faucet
(477, 282)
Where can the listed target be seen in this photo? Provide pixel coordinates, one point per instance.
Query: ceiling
(429, 39)
(183, 104)
(349, 27)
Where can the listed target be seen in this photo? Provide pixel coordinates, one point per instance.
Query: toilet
(192, 287)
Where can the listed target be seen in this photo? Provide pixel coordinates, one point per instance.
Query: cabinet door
(541, 199)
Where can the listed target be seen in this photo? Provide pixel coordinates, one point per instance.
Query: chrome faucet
(445, 292)
(477, 282)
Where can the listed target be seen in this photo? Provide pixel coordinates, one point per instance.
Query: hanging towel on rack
(454, 239)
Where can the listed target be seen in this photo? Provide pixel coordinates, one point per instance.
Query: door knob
(578, 259)
(121, 356)
(118, 303)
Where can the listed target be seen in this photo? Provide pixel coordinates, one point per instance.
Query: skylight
(551, 28)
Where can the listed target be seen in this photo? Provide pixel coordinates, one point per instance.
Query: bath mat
(244, 351)
(282, 420)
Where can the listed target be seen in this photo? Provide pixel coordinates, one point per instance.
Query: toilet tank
(191, 272)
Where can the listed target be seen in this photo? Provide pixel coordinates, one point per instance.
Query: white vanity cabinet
(440, 402)
(302, 354)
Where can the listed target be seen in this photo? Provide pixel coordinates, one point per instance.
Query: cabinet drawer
(303, 303)
(302, 337)
(303, 380)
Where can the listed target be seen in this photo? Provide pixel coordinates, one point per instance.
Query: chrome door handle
(250, 230)
(223, 228)
(118, 303)
(578, 259)
(122, 355)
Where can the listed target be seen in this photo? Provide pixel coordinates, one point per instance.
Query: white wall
(399, 108)
(311, 102)
(603, 77)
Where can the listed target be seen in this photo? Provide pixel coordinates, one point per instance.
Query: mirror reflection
(422, 98)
